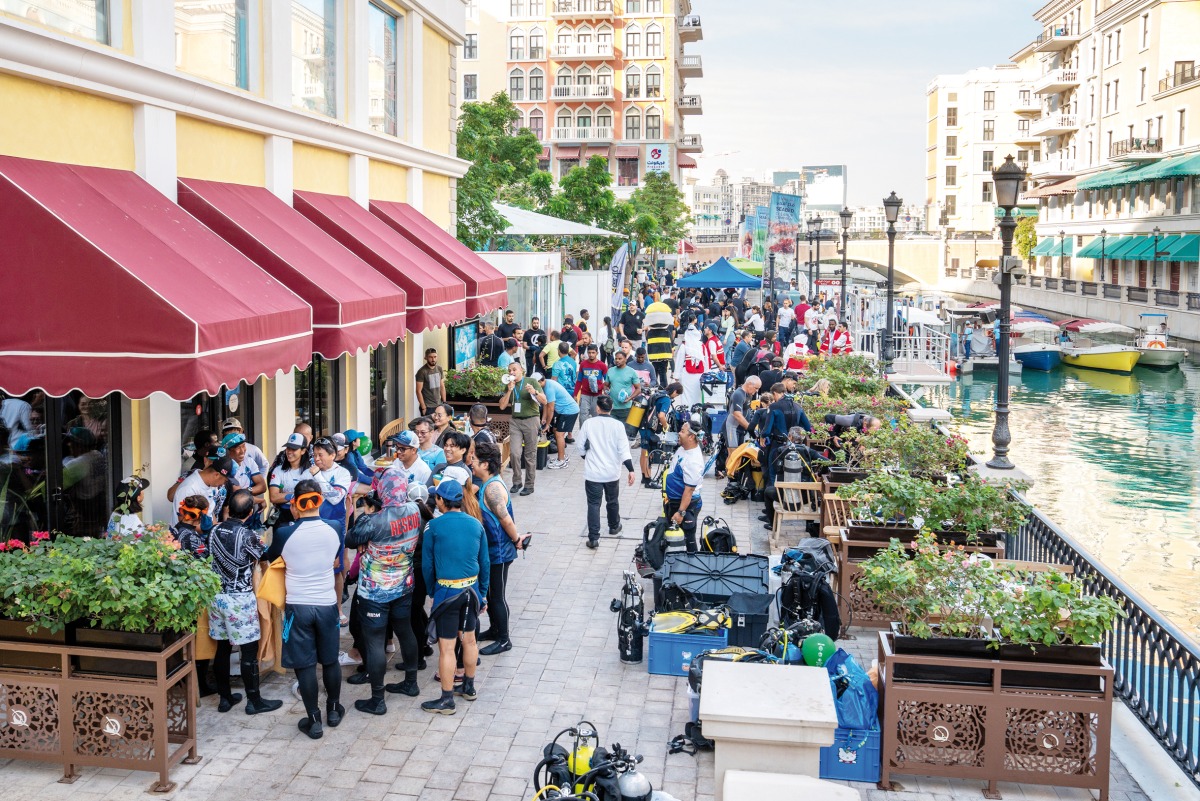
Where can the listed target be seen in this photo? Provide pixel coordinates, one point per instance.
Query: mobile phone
(525, 542)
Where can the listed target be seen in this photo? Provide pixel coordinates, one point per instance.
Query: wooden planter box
(74, 718)
(18, 657)
(996, 731)
(124, 641)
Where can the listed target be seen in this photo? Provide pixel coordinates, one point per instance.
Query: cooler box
(853, 757)
(749, 614)
(709, 579)
(671, 654)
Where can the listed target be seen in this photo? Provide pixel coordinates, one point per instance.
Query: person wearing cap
(389, 539)
(350, 459)
(310, 546)
(511, 349)
(479, 425)
(212, 481)
(253, 452)
(408, 461)
(246, 473)
(126, 519)
(289, 468)
(559, 413)
(504, 541)
(234, 550)
(590, 384)
(431, 384)
(457, 569)
(525, 397)
(604, 446)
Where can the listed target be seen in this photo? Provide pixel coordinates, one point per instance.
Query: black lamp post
(847, 217)
(1103, 242)
(1154, 267)
(1007, 179)
(891, 208)
(817, 259)
(771, 294)
(1062, 254)
(813, 222)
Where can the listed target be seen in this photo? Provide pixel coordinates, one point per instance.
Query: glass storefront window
(85, 18)
(318, 395)
(383, 69)
(212, 40)
(385, 388)
(315, 55)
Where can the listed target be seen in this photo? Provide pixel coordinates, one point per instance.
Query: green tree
(503, 161)
(585, 196)
(660, 198)
(1025, 238)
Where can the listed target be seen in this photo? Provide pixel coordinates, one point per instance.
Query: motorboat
(1085, 351)
(972, 344)
(1154, 345)
(1035, 346)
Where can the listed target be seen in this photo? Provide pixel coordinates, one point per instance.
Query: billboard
(783, 228)
(825, 187)
(658, 158)
(762, 216)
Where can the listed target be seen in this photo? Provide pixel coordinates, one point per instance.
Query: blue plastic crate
(853, 757)
(671, 654)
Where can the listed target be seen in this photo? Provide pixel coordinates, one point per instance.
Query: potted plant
(479, 384)
(884, 506)
(138, 592)
(36, 603)
(915, 448)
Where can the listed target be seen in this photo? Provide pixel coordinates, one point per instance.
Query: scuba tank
(674, 537)
(631, 620)
(634, 786)
(793, 467)
(589, 771)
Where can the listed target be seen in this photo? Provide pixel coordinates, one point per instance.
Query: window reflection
(383, 70)
(314, 55)
(85, 18)
(212, 40)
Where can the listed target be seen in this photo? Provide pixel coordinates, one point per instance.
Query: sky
(800, 82)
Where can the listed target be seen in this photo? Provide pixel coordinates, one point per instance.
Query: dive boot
(311, 725)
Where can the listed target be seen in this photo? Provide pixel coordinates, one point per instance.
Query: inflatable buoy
(1155, 343)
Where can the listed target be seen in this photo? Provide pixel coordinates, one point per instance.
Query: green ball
(817, 649)
(364, 445)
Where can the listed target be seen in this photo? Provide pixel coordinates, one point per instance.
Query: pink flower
(41, 535)
(15, 543)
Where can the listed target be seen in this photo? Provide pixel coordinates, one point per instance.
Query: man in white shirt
(682, 487)
(253, 452)
(604, 446)
(407, 459)
(212, 482)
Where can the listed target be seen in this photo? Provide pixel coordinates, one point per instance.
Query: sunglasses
(324, 441)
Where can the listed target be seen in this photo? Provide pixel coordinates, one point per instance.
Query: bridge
(920, 260)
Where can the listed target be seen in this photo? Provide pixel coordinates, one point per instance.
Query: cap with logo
(296, 441)
(339, 440)
(233, 439)
(405, 439)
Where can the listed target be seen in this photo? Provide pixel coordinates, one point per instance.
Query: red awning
(628, 152)
(436, 296)
(688, 247)
(354, 307)
(568, 152)
(111, 287)
(596, 150)
(487, 288)
(546, 153)
(686, 162)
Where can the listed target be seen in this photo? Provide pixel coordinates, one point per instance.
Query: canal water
(1116, 461)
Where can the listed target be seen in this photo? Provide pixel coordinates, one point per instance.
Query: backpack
(717, 538)
(650, 555)
(650, 421)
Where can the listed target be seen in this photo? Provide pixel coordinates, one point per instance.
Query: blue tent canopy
(720, 275)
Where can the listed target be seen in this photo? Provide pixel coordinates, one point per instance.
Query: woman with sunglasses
(288, 469)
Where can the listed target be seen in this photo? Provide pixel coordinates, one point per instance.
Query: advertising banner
(784, 227)
(762, 215)
(746, 236)
(618, 268)
(465, 339)
(658, 158)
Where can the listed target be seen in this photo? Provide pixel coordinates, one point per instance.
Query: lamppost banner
(746, 237)
(618, 267)
(783, 228)
(762, 218)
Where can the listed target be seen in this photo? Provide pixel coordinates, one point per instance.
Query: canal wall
(1184, 324)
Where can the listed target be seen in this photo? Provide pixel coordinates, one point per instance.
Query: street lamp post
(817, 259)
(1062, 254)
(891, 208)
(1154, 267)
(771, 263)
(813, 223)
(847, 217)
(1007, 179)
(1103, 242)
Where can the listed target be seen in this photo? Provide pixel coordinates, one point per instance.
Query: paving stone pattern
(563, 668)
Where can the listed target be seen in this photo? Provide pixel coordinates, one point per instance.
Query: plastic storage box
(671, 654)
(749, 613)
(853, 757)
(710, 578)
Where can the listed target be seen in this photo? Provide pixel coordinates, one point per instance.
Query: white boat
(1035, 347)
(1094, 355)
(1154, 345)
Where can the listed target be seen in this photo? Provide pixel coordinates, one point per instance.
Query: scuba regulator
(588, 770)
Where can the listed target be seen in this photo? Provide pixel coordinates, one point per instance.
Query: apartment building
(975, 120)
(592, 78)
(215, 208)
(1119, 188)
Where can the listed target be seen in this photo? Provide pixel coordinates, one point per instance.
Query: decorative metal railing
(1157, 666)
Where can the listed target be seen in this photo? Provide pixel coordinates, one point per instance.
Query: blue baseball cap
(406, 438)
(296, 441)
(233, 439)
(352, 434)
(450, 489)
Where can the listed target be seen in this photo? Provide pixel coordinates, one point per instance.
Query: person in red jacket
(590, 384)
(714, 350)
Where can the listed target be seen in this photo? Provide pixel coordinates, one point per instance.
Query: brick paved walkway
(564, 667)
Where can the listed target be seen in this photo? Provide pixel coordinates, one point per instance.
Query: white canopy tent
(529, 223)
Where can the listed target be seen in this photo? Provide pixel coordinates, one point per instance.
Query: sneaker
(467, 690)
(612, 532)
(593, 543)
(556, 464)
(516, 488)
(498, 647)
(345, 660)
(391, 648)
(526, 491)
(408, 688)
(440, 706)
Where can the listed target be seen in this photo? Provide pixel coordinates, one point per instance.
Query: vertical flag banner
(783, 228)
(618, 269)
(746, 236)
(761, 220)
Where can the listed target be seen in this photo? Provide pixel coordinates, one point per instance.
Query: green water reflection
(1116, 461)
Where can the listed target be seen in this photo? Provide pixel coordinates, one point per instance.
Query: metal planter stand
(67, 716)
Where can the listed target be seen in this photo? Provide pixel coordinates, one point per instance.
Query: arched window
(516, 45)
(516, 85)
(537, 44)
(583, 77)
(519, 122)
(633, 42)
(653, 81)
(654, 47)
(583, 119)
(604, 75)
(604, 119)
(565, 121)
(653, 124)
(564, 36)
(604, 36)
(633, 124)
(537, 124)
(583, 35)
(633, 83)
(564, 77)
(537, 85)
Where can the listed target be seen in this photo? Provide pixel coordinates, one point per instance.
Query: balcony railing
(715, 239)
(1056, 39)
(583, 50)
(1136, 146)
(1112, 292)
(581, 9)
(1088, 288)
(1178, 79)
(1070, 286)
(689, 28)
(1056, 81)
(952, 272)
(690, 104)
(573, 134)
(1051, 283)
(1193, 301)
(591, 91)
(1052, 166)
(1166, 297)
(1035, 281)
(691, 142)
(1054, 124)
(1154, 663)
(691, 65)
(1137, 294)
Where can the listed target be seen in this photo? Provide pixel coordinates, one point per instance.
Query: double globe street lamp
(1007, 179)
(891, 209)
(814, 234)
(847, 218)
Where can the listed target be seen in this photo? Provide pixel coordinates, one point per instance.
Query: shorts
(233, 616)
(649, 438)
(565, 422)
(310, 635)
(461, 614)
(621, 414)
